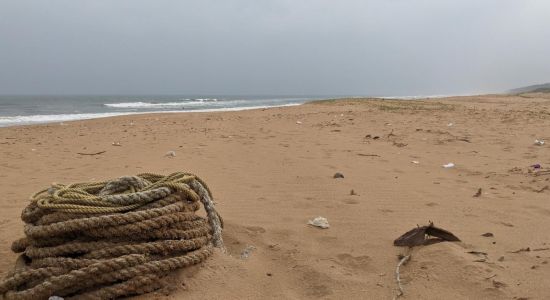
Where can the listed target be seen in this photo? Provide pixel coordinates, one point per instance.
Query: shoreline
(29, 120)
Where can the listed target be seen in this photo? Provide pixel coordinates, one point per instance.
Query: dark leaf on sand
(441, 233)
(413, 237)
(417, 236)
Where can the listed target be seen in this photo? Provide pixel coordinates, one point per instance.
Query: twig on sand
(362, 154)
(95, 153)
(403, 261)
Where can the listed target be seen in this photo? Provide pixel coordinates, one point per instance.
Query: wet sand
(271, 170)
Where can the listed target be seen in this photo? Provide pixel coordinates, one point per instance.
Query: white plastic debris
(449, 165)
(416, 162)
(170, 154)
(116, 144)
(298, 122)
(247, 251)
(539, 142)
(450, 124)
(319, 222)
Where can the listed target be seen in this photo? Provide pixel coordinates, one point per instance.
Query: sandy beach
(271, 170)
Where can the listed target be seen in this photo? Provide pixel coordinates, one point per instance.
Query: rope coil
(109, 239)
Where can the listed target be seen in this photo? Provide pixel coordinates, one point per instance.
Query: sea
(24, 110)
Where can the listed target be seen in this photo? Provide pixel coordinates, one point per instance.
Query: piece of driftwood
(96, 153)
(417, 236)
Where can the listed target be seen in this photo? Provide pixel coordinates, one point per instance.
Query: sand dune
(271, 170)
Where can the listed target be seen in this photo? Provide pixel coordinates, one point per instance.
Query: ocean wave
(6, 121)
(188, 102)
(35, 119)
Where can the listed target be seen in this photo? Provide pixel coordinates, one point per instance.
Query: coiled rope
(109, 239)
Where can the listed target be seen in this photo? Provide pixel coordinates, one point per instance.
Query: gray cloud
(385, 47)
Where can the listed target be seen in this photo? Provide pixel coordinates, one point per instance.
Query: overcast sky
(385, 47)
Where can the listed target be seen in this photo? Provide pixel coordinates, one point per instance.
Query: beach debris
(478, 193)
(298, 122)
(450, 124)
(449, 165)
(247, 251)
(417, 236)
(320, 222)
(369, 136)
(542, 189)
(416, 162)
(116, 144)
(353, 193)
(539, 142)
(488, 234)
(373, 155)
(499, 284)
(403, 260)
(338, 175)
(536, 166)
(170, 154)
(400, 145)
(95, 153)
(521, 250)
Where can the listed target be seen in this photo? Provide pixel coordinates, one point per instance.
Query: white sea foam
(185, 102)
(6, 121)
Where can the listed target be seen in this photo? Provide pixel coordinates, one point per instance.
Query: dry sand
(270, 174)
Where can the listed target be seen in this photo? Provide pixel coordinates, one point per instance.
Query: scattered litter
(539, 142)
(247, 251)
(362, 154)
(400, 145)
(170, 154)
(450, 124)
(499, 284)
(477, 252)
(417, 236)
(116, 144)
(416, 162)
(338, 175)
(319, 222)
(543, 189)
(488, 234)
(536, 166)
(449, 165)
(96, 153)
(478, 193)
(368, 136)
(298, 122)
(521, 250)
